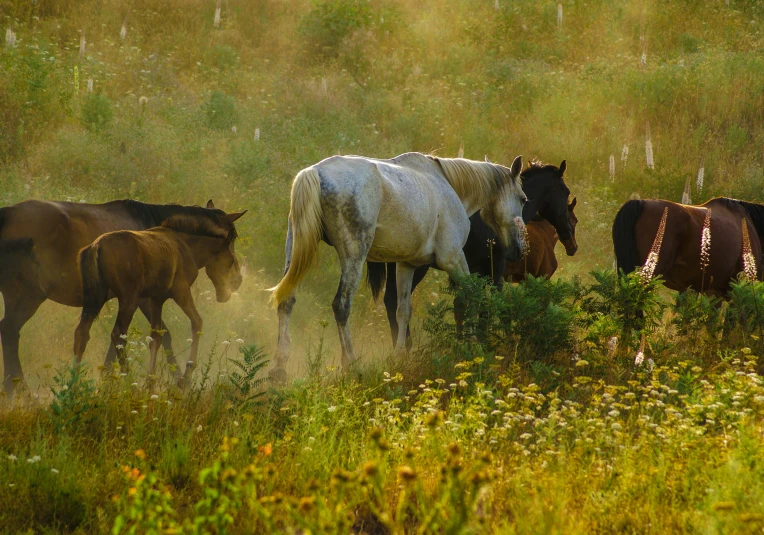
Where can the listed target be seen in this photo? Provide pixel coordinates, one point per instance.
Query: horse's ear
(572, 204)
(563, 166)
(210, 204)
(233, 217)
(486, 159)
(517, 166)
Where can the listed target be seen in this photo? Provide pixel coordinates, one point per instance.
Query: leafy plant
(97, 114)
(74, 398)
(220, 110)
(247, 386)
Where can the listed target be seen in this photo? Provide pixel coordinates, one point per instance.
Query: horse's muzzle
(570, 246)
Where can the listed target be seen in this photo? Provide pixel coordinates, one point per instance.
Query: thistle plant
(216, 22)
(686, 198)
(749, 261)
(701, 174)
(648, 270)
(640, 357)
(10, 38)
(612, 168)
(705, 248)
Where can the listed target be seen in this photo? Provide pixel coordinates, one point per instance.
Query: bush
(220, 110)
(331, 21)
(96, 112)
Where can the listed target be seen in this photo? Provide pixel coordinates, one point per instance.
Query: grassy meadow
(539, 420)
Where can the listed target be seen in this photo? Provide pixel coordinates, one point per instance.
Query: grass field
(538, 428)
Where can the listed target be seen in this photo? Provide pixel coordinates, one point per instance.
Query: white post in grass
(216, 22)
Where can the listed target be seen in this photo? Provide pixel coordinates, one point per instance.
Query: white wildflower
(82, 45)
(12, 458)
(154, 396)
(559, 14)
(639, 359)
(225, 342)
(199, 428)
(216, 21)
(686, 199)
(234, 129)
(123, 31)
(624, 154)
(701, 174)
(239, 341)
(54, 471)
(257, 134)
(90, 85)
(649, 151)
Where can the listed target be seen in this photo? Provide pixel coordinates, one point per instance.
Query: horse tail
(95, 292)
(376, 275)
(624, 237)
(304, 233)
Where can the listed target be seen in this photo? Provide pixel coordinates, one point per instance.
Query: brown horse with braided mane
(156, 264)
(540, 260)
(39, 244)
(679, 260)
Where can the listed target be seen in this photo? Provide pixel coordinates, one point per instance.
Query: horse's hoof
(278, 376)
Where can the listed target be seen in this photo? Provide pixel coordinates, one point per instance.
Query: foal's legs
(155, 317)
(82, 333)
(186, 303)
(127, 307)
(145, 306)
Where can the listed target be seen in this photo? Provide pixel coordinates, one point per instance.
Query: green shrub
(97, 114)
(329, 22)
(220, 110)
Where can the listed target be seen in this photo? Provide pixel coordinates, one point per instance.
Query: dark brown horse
(679, 260)
(39, 243)
(156, 264)
(540, 260)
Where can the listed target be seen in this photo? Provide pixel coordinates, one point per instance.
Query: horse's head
(559, 213)
(223, 269)
(505, 213)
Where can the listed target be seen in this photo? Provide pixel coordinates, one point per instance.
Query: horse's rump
(95, 291)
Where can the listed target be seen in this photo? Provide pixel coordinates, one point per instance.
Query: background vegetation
(183, 109)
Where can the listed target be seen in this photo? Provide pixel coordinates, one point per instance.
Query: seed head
(406, 473)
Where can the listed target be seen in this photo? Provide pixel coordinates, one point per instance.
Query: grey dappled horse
(412, 210)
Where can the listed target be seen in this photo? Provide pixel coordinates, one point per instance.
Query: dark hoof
(278, 376)
(183, 383)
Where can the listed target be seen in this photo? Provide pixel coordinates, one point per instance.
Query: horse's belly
(403, 246)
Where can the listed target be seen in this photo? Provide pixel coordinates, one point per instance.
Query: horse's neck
(202, 248)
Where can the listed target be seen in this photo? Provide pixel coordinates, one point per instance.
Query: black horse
(547, 194)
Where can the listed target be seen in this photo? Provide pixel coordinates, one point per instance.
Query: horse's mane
(755, 211)
(536, 167)
(198, 225)
(152, 215)
(475, 180)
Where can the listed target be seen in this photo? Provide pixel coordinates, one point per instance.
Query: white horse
(412, 210)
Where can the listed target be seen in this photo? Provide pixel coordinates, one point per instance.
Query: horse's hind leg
(145, 306)
(127, 307)
(352, 270)
(18, 310)
(391, 299)
(278, 374)
(157, 325)
(82, 333)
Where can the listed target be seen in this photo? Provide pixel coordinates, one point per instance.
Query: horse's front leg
(404, 274)
(145, 307)
(186, 303)
(456, 266)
